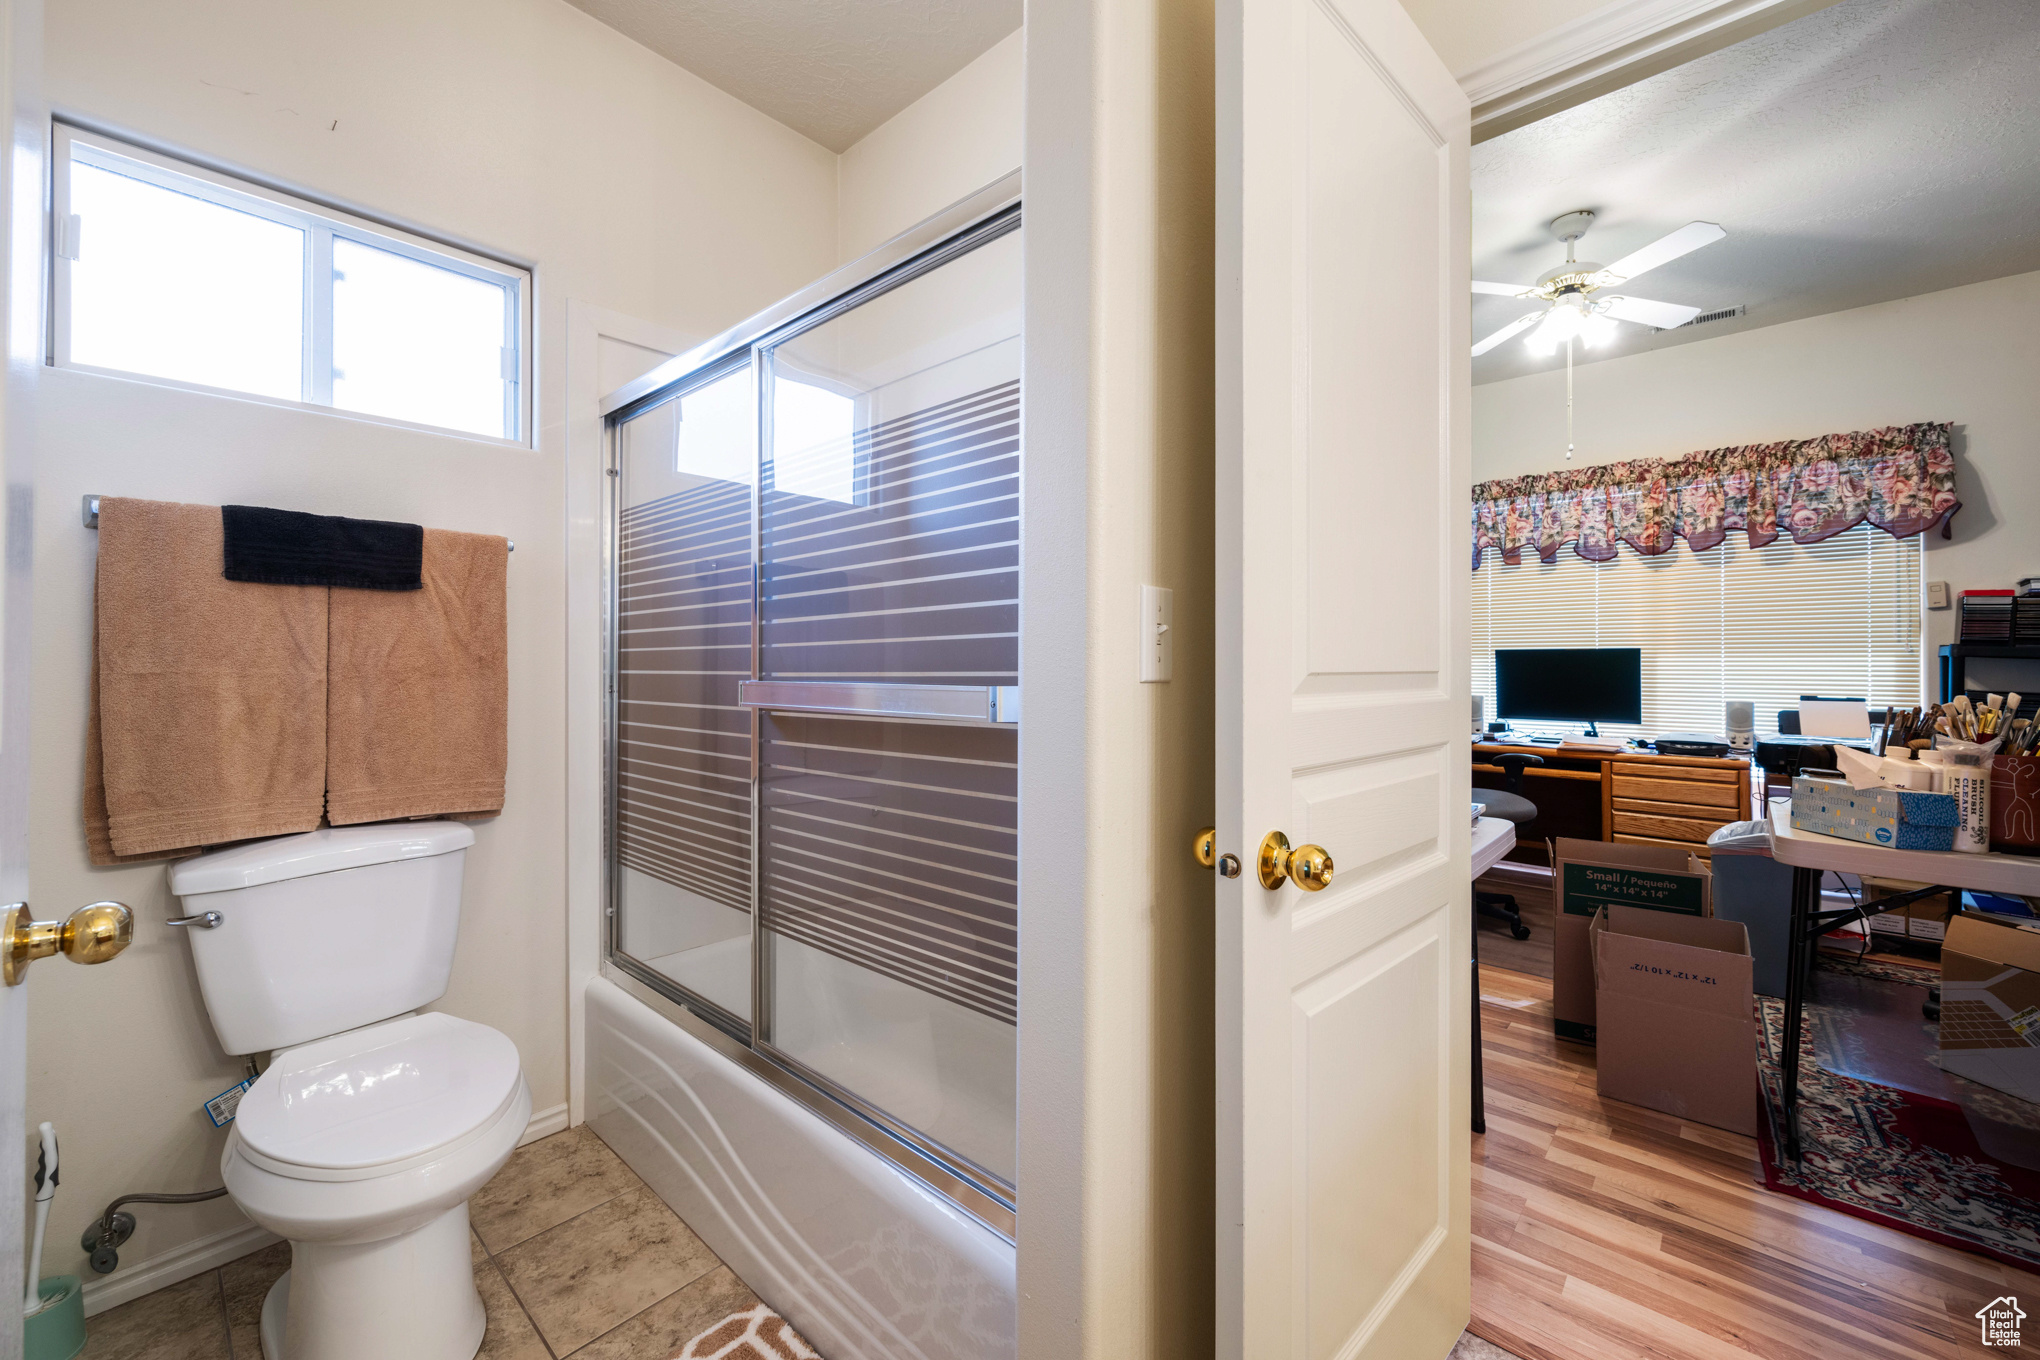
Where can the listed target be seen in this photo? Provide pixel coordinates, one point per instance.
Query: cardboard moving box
(1678, 1028)
(1926, 919)
(1990, 1005)
(1587, 876)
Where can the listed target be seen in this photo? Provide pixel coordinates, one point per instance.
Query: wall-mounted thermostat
(1937, 594)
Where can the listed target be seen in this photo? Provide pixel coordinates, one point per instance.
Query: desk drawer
(1703, 774)
(1695, 829)
(1692, 847)
(1689, 792)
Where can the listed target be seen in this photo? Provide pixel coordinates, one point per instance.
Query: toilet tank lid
(316, 852)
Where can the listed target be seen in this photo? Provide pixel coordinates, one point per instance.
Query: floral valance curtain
(1900, 478)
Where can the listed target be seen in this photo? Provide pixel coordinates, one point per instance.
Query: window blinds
(1840, 617)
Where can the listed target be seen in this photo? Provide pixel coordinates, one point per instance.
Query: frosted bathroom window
(416, 342)
(168, 271)
(176, 287)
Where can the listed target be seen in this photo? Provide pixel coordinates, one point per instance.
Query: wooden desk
(1599, 795)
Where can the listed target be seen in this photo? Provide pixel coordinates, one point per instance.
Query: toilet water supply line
(103, 1238)
(113, 1227)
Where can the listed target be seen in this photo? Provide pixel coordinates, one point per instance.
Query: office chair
(1510, 805)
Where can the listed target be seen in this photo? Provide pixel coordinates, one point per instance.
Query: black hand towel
(289, 548)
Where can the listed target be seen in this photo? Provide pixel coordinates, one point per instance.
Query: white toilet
(373, 1124)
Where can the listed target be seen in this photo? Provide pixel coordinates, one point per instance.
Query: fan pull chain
(1568, 399)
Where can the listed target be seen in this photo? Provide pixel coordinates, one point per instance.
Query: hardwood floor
(1604, 1231)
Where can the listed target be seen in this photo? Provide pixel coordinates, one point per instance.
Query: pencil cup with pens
(1987, 757)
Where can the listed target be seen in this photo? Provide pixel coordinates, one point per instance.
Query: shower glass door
(889, 559)
(682, 742)
(814, 756)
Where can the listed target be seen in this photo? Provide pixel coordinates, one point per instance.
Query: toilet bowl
(374, 1122)
(362, 1149)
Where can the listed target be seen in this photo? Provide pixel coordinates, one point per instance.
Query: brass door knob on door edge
(1204, 849)
(93, 934)
(1309, 867)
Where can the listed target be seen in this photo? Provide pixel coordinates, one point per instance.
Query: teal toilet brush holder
(56, 1331)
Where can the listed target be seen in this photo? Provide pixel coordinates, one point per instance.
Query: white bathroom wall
(524, 128)
(1966, 355)
(1116, 982)
(952, 141)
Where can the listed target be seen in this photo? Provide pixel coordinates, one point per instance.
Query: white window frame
(321, 225)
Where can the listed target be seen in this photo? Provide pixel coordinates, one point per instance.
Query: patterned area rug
(1907, 1161)
(757, 1334)
(1834, 961)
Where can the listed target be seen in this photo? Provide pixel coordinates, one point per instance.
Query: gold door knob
(1307, 866)
(93, 934)
(1205, 847)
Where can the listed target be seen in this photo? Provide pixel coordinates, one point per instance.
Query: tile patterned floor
(573, 1255)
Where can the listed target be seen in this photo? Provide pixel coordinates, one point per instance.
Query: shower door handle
(856, 698)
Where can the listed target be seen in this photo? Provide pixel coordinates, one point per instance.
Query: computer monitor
(1570, 684)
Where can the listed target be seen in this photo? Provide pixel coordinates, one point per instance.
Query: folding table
(1810, 855)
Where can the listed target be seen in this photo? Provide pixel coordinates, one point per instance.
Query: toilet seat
(380, 1100)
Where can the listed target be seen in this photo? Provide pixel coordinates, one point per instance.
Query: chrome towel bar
(89, 512)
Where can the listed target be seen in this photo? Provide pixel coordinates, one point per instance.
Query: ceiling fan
(1571, 314)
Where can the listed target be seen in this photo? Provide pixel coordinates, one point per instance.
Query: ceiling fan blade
(1520, 324)
(1644, 312)
(1664, 250)
(1502, 289)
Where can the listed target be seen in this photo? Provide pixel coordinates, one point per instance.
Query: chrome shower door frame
(975, 221)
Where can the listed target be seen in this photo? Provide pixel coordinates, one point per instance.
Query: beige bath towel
(208, 719)
(419, 691)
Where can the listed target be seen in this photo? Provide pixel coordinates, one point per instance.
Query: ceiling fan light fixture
(1597, 329)
(1566, 319)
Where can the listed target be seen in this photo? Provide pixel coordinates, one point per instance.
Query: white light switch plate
(1157, 634)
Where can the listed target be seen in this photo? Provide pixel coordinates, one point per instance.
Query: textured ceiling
(1874, 150)
(831, 69)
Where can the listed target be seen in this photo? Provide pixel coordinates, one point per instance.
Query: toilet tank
(323, 932)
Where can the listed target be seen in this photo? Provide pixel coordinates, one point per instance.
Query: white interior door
(1342, 683)
(21, 255)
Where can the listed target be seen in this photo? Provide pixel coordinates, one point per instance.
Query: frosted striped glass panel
(683, 753)
(889, 539)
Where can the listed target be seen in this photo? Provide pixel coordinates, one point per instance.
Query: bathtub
(865, 1260)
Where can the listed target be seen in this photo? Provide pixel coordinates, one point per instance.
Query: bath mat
(757, 1334)
(1893, 1157)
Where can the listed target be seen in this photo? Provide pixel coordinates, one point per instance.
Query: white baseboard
(201, 1254)
(174, 1266)
(544, 1123)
